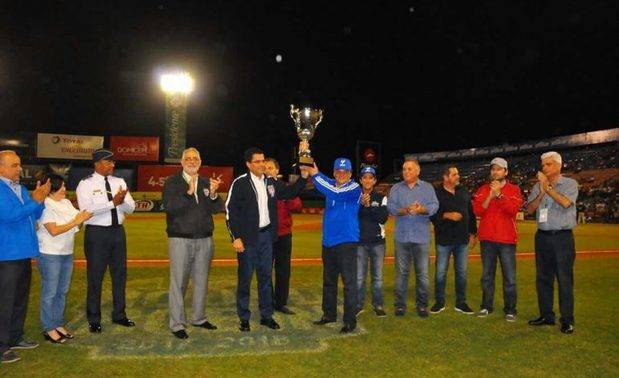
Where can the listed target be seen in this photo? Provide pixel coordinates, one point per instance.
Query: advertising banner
(175, 127)
(135, 148)
(69, 147)
(152, 177)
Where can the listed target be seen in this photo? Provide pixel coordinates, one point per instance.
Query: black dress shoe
(94, 327)
(124, 322)
(206, 325)
(541, 321)
(285, 310)
(348, 328)
(422, 312)
(567, 328)
(269, 323)
(181, 334)
(244, 326)
(323, 321)
(60, 339)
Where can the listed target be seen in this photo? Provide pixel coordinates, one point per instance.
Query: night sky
(414, 75)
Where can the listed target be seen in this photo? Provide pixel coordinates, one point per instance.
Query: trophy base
(307, 161)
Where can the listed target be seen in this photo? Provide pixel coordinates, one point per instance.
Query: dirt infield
(318, 261)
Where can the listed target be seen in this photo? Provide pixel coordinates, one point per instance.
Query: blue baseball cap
(368, 169)
(343, 164)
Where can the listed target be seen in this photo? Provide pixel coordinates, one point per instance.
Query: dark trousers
(554, 257)
(336, 260)
(105, 246)
(282, 250)
(506, 254)
(260, 259)
(14, 291)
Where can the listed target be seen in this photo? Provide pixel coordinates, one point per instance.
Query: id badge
(543, 215)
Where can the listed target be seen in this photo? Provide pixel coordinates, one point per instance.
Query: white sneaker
(510, 317)
(483, 313)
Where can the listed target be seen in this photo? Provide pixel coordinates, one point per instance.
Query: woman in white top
(56, 234)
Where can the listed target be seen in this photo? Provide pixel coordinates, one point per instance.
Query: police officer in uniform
(108, 198)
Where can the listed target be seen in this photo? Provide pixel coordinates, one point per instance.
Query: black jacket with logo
(186, 218)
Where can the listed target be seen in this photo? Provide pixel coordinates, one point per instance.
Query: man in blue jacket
(252, 220)
(340, 236)
(18, 244)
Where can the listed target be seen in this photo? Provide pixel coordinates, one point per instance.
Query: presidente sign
(152, 177)
(135, 148)
(66, 146)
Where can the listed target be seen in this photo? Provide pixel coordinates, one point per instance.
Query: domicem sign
(135, 148)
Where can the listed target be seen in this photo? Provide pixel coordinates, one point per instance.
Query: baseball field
(449, 343)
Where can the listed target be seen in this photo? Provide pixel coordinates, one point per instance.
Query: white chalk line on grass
(322, 342)
(319, 260)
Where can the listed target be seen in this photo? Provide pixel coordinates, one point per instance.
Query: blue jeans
(375, 253)
(56, 273)
(506, 254)
(461, 254)
(419, 255)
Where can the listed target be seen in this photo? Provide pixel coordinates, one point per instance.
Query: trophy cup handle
(294, 114)
(319, 117)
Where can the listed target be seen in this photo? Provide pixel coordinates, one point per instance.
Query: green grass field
(146, 237)
(446, 344)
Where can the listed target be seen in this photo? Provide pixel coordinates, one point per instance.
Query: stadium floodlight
(176, 83)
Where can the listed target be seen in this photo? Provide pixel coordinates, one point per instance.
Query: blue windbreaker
(341, 218)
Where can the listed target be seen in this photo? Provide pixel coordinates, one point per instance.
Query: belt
(106, 227)
(265, 228)
(554, 232)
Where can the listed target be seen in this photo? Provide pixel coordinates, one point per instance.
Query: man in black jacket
(373, 215)
(189, 202)
(455, 229)
(251, 216)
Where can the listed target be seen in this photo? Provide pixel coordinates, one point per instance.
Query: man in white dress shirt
(108, 198)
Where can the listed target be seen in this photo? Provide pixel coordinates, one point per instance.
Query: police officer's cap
(102, 154)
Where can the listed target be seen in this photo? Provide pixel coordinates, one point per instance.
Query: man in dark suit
(252, 220)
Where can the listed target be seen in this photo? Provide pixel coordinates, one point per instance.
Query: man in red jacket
(497, 204)
(282, 248)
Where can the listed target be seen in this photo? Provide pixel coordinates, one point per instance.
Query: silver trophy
(305, 120)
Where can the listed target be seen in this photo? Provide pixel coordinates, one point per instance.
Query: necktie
(108, 189)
